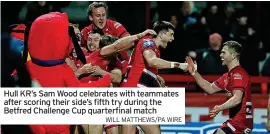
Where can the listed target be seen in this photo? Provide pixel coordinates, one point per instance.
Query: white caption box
(108, 108)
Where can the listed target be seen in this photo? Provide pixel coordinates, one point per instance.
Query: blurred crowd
(200, 31)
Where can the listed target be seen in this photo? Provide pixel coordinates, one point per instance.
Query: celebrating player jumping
(144, 64)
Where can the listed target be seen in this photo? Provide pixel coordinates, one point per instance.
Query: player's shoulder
(113, 24)
(147, 42)
(225, 74)
(87, 28)
(85, 51)
(239, 73)
(109, 21)
(95, 54)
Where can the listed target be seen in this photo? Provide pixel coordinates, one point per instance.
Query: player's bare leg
(95, 129)
(219, 131)
(151, 129)
(81, 129)
(85, 128)
(129, 129)
(113, 130)
(120, 129)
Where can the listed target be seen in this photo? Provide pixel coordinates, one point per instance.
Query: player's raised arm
(153, 61)
(208, 87)
(124, 43)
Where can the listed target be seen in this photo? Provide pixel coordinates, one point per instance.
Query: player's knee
(78, 129)
(151, 129)
(111, 129)
(95, 129)
(128, 129)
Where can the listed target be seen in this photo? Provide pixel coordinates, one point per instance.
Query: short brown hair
(235, 46)
(96, 5)
(162, 25)
(107, 40)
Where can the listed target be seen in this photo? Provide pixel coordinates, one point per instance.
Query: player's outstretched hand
(191, 65)
(214, 111)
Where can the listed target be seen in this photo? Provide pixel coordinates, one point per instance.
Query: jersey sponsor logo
(148, 43)
(237, 76)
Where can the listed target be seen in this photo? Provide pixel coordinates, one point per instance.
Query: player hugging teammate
(95, 57)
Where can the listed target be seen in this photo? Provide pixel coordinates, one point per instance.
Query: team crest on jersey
(148, 43)
(237, 76)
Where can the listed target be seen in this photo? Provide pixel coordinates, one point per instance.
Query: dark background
(137, 16)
